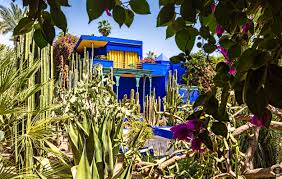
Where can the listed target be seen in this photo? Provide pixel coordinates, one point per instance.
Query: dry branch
(172, 161)
(263, 172)
(253, 142)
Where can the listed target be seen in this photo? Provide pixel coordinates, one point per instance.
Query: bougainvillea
(190, 132)
(63, 47)
(263, 120)
(148, 60)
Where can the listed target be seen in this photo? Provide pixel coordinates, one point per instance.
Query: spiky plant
(104, 28)
(9, 18)
(95, 128)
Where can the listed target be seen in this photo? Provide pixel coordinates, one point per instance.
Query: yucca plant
(14, 93)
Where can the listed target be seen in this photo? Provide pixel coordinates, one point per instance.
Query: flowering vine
(189, 132)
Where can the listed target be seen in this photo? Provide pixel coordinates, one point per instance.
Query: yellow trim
(88, 44)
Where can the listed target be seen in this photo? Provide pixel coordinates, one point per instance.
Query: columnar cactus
(152, 108)
(172, 98)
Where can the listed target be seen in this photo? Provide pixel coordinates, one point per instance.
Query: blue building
(125, 57)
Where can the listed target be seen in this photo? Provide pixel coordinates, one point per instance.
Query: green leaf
(204, 32)
(201, 100)
(165, 2)
(178, 24)
(210, 21)
(246, 60)
(64, 3)
(94, 170)
(187, 11)
(185, 39)
(140, 6)
(254, 93)
(205, 138)
(48, 29)
(24, 26)
(221, 79)
(166, 14)
(225, 42)
(39, 38)
(222, 67)
(273, 85)
(169, 31)
(83, 168)
(129, 17)
(195, 115)
(209, 48)
(94, 9)
(177, 59)
(127, 173)
(119, 15)
(239, 88)
(219, 128)
(211, 106)
(234, 51)
(59, 18)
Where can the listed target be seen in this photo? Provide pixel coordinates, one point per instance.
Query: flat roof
(89, 40)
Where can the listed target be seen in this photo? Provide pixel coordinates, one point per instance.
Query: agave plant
(96, 126)
(104, 28)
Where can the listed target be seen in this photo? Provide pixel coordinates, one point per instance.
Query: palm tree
(104, 27)
(151, 55)
(9, 18)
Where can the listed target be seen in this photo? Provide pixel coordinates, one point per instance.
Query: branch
(222, 175)
(253, 142)
(276, 125)
(263, 172)
(172, 161)
(275, 110)
(242, 129)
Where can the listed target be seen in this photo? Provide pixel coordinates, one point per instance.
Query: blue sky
(143, 28)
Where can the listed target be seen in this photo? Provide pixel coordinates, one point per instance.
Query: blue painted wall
(128, 83)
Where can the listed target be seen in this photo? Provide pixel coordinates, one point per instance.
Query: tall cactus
(27, 52)
(172, 98)
(134, 101)
(152, 108)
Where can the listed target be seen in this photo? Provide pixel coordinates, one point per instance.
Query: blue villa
(125, 57)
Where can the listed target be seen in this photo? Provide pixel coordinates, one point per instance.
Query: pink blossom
(224, 52)
(196, 144)
(213, 7)
(232, 71)
(181, 132)
(108, 12)
(261, 121)
(246, 27)
(219, 30)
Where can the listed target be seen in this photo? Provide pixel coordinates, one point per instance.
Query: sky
(143, 27)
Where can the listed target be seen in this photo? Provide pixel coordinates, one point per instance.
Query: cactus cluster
(152, 109)
(172, 99)
(29, 56)
(77, 70)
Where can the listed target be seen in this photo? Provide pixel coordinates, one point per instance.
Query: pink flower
(219, 30)
(181, 132)
(224, 52)
(108, 12)
(196, 144)
(232, 71)
(213, 7)
(246, 27)
(261, 121)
